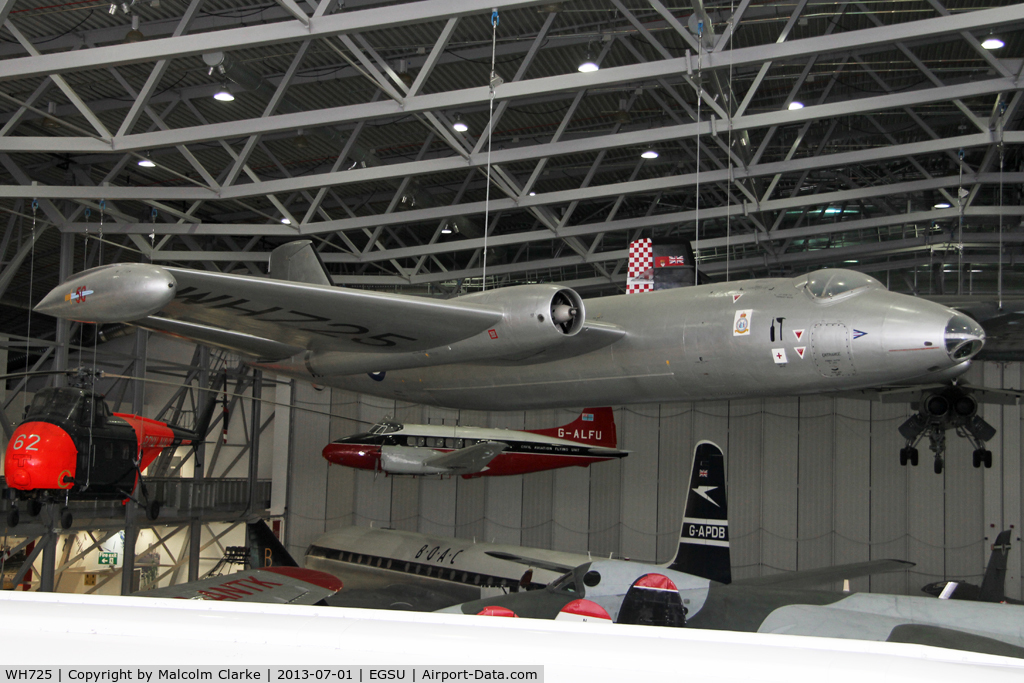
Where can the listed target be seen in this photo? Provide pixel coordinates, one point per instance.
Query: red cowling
(356, 455)
(39, 456)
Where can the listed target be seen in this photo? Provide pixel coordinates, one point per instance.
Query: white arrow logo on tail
(702, 491)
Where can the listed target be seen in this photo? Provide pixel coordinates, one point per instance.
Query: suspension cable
(490, 136)
(700, 98)
(729, 183)
(960, 192)
(1002, 154)
(31, 281)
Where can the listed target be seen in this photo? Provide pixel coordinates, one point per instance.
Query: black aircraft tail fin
(704, 539)
(993, 586)
(264, 548)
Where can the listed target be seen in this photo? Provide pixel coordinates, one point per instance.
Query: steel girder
(389, 244)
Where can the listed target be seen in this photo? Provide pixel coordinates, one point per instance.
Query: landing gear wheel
(913, 457)
(34, 507)
(66, 519)
(938, 464)
(978, 457)
(987, 458)
(153, 510)
(904, 456)
(13, 517)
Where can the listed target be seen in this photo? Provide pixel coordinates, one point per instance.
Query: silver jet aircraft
(541, 345)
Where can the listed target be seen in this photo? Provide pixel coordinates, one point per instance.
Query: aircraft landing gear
(982, 456)
(153, 510)
(908, 455)
(955, 408)
(34, 507)
(13, 517)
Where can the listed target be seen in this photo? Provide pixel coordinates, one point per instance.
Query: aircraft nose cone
(964, 337)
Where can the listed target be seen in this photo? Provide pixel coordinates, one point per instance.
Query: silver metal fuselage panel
(683, 345)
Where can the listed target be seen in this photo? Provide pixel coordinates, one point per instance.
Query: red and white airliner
(416, 449)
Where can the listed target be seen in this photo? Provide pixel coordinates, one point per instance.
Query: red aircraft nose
(359, 455)
(39, 456)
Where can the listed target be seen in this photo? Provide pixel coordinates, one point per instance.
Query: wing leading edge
(299, 323)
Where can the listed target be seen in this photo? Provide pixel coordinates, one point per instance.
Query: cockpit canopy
(385, 427)
(830, 283)
(67, 403)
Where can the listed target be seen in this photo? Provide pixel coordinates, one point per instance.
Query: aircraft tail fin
(663, 264)
(264, 548)
(298, 262)
(993, 585)
(704, 539)
(594, 427)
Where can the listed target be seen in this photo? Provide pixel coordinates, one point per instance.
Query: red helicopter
(70, 444)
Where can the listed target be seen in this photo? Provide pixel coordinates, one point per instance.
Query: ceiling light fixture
(992, 42)
(446, 230)
(588, 66)
(224, 95)
(146, 162)
(51, 109)
(794, 105)
(286, 221)
(649, 154)
(459, 124)
(134, 35)
(941, 205)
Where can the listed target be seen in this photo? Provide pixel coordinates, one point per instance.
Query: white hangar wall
(813, 481)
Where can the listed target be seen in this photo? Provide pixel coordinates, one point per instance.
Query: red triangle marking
(800, 350)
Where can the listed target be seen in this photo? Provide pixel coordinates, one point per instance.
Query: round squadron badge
(741, 323)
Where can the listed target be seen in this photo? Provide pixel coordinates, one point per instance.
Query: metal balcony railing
(180, 499)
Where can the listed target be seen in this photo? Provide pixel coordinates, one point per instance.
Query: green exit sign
(108, 558)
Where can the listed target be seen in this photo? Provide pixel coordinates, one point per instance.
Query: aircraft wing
(530, 561)
(470, 459)
(308, 316)
(345, 331)
(280, 585)
(816, 577)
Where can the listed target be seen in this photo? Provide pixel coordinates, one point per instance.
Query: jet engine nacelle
(535, 319)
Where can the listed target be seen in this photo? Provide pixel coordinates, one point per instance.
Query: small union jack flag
(677, 260)
(703, 473)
